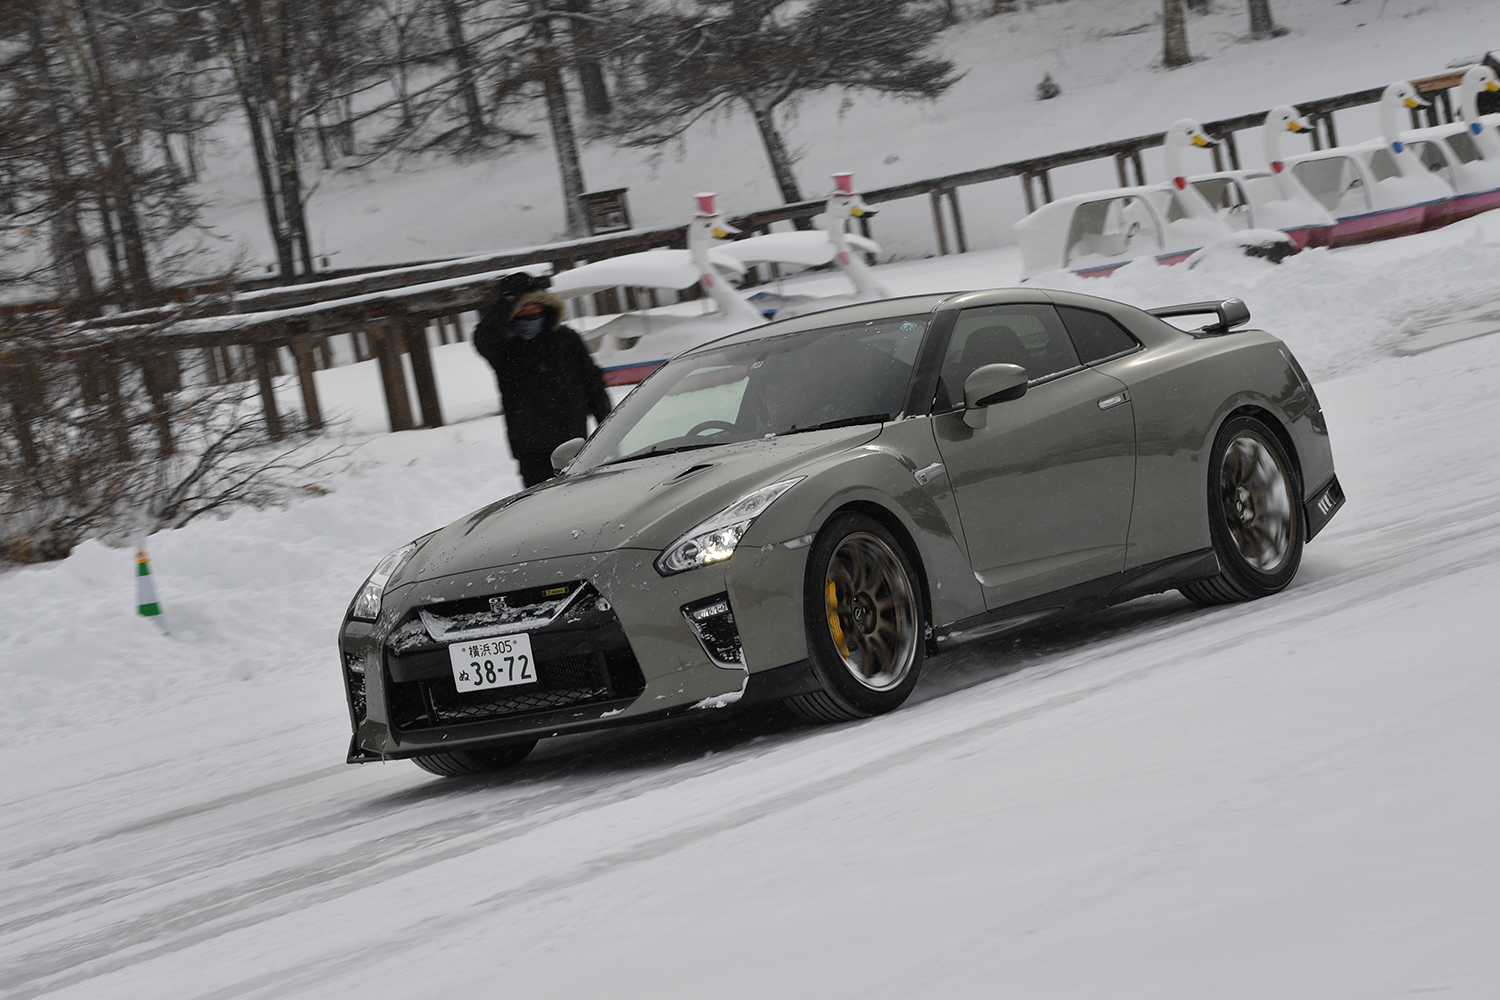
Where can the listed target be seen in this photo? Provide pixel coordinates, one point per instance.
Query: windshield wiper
(868, 418)
(654, 450)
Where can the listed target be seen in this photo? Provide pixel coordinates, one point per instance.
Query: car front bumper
(641, 656)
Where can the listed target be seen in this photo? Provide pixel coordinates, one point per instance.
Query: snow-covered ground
(1292, 798)
(1295, 798)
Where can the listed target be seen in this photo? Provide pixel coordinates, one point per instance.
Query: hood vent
(692, 471)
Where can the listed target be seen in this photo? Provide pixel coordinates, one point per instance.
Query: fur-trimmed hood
(554, 306)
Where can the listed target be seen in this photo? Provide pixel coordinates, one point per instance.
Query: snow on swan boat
(1466, 154)
(1272, 198)
(831, 242)
(1096, 233)
(1378, 189)
(618, 342)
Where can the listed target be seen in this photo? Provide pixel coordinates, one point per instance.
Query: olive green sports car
(804, 511)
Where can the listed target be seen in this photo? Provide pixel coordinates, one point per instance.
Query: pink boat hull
(630, 374)
(1385, 225)
(1463, 206)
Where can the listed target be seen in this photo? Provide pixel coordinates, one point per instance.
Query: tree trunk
(70, 254)
(1261, 24)
(269, 195)
(120, 172)
(596, 101)
(240, 34)
(463, 58)
(284, 135)
(563, 141)
(781, 162)
(1174, 31)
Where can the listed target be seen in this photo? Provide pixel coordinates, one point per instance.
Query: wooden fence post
(958, 221)
(937, 221)
(157, 376)
(1234, 150)
(264, 355)
(385, 343)
(303, 349)
(23, 387)
(101, 366)
(422, 374)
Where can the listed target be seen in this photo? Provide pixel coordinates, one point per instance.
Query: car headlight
(715, 539)
(367, 604)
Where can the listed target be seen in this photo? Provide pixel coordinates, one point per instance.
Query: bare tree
(760, 54)
(1174, 32)
(1261, 23)
(107, 438)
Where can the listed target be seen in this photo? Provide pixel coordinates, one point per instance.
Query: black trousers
(536, 467)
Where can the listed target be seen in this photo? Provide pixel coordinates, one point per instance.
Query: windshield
(810, 380)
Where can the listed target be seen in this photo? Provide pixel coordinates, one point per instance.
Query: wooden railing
(387, 313)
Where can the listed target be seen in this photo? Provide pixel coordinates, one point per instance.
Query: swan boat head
(1395, 97)
(845, 202)
(1184, 134)
(1476, 80)
(1283, 118)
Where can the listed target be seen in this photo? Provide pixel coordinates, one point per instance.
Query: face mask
(527, 327)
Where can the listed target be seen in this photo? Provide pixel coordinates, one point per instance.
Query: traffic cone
(145, 592)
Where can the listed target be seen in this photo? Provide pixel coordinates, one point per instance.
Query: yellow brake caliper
(833, 620)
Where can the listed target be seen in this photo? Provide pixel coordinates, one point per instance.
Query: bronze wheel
(872, 617)
(864, 621)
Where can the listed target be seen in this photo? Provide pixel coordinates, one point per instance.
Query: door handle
(1114, 399)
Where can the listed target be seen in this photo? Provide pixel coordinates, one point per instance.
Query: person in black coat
(549, 385)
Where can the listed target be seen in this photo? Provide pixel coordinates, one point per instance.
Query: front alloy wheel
(864, 622)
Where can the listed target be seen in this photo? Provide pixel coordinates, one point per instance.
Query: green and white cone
(147, 604)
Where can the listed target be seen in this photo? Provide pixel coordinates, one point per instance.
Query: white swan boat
(1376, 190)
(1273, 197)
(632, 345)
(831, 242)
(1095, 234)
(1466, 154)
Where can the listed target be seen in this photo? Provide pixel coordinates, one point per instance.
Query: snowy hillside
(1294, 798)
(1104, 53)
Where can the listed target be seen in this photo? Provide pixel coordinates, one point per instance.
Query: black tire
(862, 609)
(459, 763)
(1254, 515)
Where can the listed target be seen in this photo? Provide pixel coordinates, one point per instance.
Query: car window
(1032, 336)
(849, 374)
(1095, 335)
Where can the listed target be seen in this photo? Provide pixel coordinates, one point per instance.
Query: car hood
(644, 504)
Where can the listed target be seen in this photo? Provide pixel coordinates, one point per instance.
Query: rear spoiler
(1231, 313)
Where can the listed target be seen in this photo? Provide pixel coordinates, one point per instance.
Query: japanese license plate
(503, 661)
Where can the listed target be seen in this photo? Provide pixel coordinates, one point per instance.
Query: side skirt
(1153, 578)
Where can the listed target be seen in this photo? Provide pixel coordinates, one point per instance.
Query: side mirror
(989, 385)
(565, 453)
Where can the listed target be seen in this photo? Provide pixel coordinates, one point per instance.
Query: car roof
(861, 312)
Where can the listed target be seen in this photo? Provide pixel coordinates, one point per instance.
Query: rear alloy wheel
(1254, 515)
(458, 763)
(863, 615)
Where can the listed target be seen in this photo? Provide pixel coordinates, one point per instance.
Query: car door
(1044, 489)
